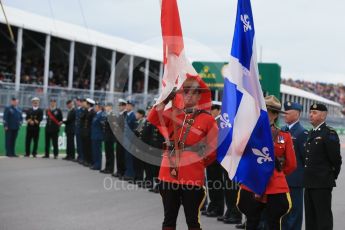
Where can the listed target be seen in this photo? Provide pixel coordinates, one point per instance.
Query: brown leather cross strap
(180, 144)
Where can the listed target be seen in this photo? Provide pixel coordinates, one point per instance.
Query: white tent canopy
(34, 22)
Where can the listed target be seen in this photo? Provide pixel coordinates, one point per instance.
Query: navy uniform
(78, 114)
(214, 174)
(293, 220)
(321, 169)
(140, 150)
(119, 124)
(97, 137)
(109, 141)
(152, 137)
(129, 129)
(70, 133)
(12, 121)
(34, 116)
(85, 131)
(54, 119)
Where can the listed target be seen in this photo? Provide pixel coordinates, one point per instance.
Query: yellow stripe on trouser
(202, 203)
(288, 197)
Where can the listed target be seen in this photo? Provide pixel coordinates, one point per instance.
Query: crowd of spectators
(333, 92)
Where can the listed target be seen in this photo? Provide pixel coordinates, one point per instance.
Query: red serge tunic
(191, 165)
(283, 146)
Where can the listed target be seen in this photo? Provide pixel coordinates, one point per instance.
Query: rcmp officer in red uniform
(321, 169)
(276, 199)
(182, 168)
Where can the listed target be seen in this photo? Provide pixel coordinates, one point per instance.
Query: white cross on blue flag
(245, 140)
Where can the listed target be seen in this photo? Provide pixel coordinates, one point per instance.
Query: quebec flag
(245, 147)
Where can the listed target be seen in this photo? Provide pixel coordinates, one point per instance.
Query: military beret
(108, 104)
(292, 106)
(318, 106)
(52, 99)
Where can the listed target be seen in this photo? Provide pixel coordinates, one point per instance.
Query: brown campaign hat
(272, 103)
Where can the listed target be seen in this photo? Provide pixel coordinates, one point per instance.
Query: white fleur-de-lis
(263, 156)
(225, 121)
(246, 23)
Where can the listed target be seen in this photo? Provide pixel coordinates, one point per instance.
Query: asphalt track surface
(48, 194)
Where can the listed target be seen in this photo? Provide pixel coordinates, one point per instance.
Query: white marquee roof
(34, 22)
(305, 94)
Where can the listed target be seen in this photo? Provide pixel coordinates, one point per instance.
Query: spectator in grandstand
(70, 130)
(12, 121)
(54, 121)
(34, 116)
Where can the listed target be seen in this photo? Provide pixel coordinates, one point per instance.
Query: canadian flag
(176, 64)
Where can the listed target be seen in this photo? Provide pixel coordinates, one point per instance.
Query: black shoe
(94, 168)
(128, 179)
(221, 218)
(117, 174)
(66, 158)
(240, 226)
(55, 157)
(45, 156)
(154, 190)
(34, 155)
(105, 171)
(27, 155)
(232, 220)
(212, 213)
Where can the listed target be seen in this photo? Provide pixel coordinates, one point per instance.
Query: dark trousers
(97, 154)
(87, 149)
(79, 147)
(175, 195)
(109, 155)
(293, 220)
(139, 167)
(215, 188)
(277, 206)
(318, 209)
(231, 192)
(120, 158)
(31, 135)
(10, 141)
(70, 146)
(51, 136)
(152, 174)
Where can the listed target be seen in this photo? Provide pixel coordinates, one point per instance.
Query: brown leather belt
(198, 148)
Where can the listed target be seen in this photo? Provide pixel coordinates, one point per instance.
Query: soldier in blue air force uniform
(12, 121)
(97, 136)
(293, 220)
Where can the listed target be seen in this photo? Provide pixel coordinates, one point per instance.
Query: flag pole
(7, 23)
